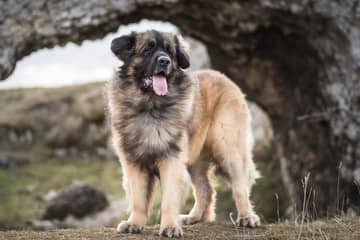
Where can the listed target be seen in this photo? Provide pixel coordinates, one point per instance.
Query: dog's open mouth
(158, 82)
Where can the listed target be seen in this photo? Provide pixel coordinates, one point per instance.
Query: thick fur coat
(169, 124)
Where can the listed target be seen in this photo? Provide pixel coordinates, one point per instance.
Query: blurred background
(297, 62)
(56, 95)
(56, 137)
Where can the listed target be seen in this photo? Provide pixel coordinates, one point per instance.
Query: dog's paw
(189, 220)
(171, 232)
(252, 220)
(127, 227)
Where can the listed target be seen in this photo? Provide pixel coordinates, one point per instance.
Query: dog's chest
(155, 134)
(151, 135)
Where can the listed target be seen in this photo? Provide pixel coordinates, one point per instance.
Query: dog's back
(170, 124)
(221, 136)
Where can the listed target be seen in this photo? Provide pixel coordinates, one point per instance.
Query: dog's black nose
(163, 60)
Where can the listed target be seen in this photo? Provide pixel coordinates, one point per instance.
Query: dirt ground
(339, 229)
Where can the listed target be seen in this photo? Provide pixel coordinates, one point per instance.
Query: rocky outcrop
(66, 121)
(103, 218)
(77, 201)
(298, 59)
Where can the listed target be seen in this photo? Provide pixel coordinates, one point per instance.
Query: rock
(78, 201)
(50, 195)
(262, 129)
(104, 218)
(42, 225)
(199, 56)
(7, 162)
(11, 162)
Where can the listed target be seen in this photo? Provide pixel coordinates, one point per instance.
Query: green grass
(22, 189)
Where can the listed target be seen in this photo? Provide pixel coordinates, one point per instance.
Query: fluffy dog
(169, 124)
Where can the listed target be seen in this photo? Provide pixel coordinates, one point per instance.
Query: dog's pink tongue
(160, 85)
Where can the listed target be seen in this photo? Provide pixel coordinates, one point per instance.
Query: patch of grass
(22, 189)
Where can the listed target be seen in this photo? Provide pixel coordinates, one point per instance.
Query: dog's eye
(168, 49)
(150, 46)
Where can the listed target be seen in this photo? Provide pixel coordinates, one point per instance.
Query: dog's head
(151, 58)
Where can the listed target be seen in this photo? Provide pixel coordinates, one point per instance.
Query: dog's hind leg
(241, 174)
(235, 160)
(138, 185)
(201, 174)
(230, 139)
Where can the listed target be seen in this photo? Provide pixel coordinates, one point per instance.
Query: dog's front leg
(138, 184)
(173, 178)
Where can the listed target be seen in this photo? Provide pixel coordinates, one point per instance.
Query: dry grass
(339, 229)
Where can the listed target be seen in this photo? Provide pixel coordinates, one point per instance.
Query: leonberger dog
(168, 124)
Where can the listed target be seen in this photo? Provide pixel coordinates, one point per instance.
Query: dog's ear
(182, 52)
(124, 46)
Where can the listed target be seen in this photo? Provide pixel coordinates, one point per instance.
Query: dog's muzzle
(163, 64)
(158, 81)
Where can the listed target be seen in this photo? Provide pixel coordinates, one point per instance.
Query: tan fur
(222, 130)
(212, 122)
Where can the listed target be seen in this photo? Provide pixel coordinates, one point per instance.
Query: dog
(167, 124)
